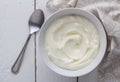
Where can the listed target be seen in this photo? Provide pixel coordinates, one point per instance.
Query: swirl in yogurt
(72, 42)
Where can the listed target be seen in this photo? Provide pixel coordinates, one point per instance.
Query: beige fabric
(58, 4)
(83, 3)
(108, 12)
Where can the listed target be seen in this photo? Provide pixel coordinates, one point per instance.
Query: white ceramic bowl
(97, 60)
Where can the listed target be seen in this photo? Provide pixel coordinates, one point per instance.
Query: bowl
(94, 63)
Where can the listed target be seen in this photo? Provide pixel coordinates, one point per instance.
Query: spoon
(35, 22)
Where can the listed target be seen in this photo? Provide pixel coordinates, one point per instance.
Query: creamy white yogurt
(72, 42)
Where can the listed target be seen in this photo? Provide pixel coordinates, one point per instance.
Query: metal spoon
(35, 22)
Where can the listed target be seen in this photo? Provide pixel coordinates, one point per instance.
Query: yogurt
(72, 42)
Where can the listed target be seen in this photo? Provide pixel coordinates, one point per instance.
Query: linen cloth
(109, 15)
(108, 12)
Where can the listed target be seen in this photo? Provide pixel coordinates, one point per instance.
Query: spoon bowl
(36, 20)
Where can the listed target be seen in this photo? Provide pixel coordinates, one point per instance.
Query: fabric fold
(109, 15)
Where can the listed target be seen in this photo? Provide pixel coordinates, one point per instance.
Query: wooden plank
(44, 74)
(14, 15)
(90, 77)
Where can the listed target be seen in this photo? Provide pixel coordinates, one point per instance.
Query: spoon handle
(16, 66)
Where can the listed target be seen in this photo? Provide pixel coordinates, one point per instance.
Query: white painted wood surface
(14, 15)
(91, 77)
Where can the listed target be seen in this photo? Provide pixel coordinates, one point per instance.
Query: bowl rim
(94, 63)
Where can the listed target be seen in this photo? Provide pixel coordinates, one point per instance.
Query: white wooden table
(14, 16)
